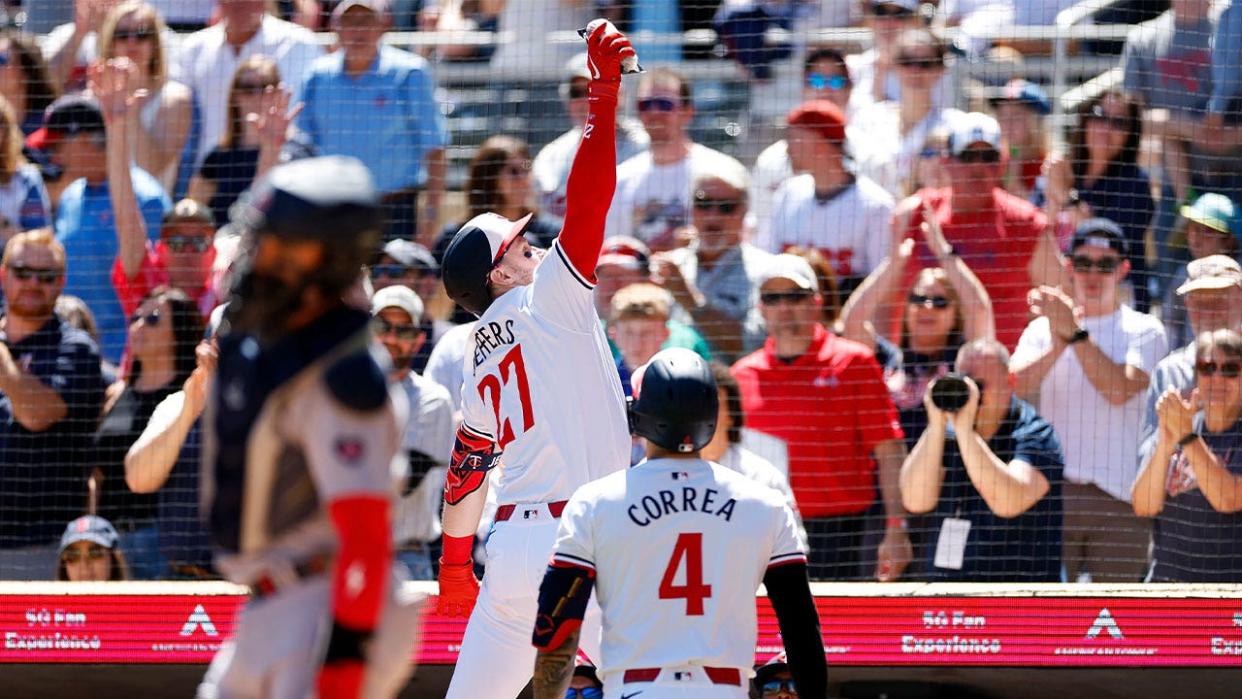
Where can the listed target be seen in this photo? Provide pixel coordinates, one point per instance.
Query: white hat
(975, 127)
(379, 7)
(793, 268)
(398, 296)
(1211, 272)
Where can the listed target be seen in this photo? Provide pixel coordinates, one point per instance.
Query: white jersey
(679, 547)
(541, 382)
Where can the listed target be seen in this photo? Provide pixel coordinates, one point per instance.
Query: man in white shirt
(874, 71)
(652, 202)
(428, 434)
(1089, 359)
(551, 165)
(846, 217)
(209, 58)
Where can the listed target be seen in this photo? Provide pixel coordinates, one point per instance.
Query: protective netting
(1035, 194)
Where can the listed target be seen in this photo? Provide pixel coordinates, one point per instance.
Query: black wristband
(1078, 336)
(1187, 439)
(347, 644)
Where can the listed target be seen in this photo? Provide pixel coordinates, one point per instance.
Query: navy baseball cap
(67, 116)
(89, 528)
(475, 251)
(1101, 233)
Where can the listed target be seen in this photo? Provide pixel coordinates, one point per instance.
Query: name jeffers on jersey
(667, 502)
(489, 337)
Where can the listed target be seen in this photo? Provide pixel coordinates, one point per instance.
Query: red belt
(718, 675)
(505, 512)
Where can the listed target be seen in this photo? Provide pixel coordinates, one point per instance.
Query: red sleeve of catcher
(360, 579)
(592, 181)
(473, 456)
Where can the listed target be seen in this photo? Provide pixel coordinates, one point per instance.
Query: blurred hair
(158, 66)
(11, 149)
(40, 237)
(642, 301)
(187, 329)
(268, 73)
(829, 288)
(1080, 156)
(40, 90)
(1225, 340)
(76, 314)
(733, 400)
(662, 75)
(919, 38)
(483, 175)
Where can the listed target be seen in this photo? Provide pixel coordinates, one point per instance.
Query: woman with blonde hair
(24, 201)
(132, 30)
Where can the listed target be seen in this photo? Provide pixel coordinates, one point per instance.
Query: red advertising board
(1088, 631)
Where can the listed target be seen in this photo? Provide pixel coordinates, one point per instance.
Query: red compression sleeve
(360, 580)
(457, 549)
(592, 180)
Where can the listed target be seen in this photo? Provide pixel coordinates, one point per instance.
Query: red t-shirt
(996, 242)
(153, 273)
(831, 407)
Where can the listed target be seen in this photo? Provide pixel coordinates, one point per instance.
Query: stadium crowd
(962, 352)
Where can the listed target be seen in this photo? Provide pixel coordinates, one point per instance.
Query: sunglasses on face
(584, 693)
(93, 553)
(776, 686)
(773, 298)
(658, 104)
(937, 302)
(404, 331)
(138, 33)
(390, 271)
(921, 62)
(819, 81)
(971, 157)
(43, 276)
(1104, 265)
(152, 318)
(725, 206)
(187, 243)
(1229, 370)
(1113, 122)
(252, 88)
(890, 11)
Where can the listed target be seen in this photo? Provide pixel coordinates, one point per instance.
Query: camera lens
(950, 392)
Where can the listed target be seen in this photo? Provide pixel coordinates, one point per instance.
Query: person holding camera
(988, 470)
(1089, 358)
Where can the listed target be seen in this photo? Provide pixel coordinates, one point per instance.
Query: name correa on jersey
(491, 336)
(668, 502)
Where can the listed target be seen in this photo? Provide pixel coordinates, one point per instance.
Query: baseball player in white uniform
(541, 400)
(679, 607)
(302, 466)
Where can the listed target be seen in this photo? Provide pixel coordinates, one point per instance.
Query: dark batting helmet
(331, 200)
(675, 403)
(475, 251)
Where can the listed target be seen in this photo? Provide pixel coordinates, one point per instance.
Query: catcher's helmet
(675, 401)
(475, 250)
(331, 200)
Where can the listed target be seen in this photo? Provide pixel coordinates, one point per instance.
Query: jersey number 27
(687, 550)
(512, 370)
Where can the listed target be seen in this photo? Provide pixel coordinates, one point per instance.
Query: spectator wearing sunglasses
(825, 397)
(585, 684)
(1213, 227)
(428, 434)
(409, 264)
(715, 279)
(89, 552)
(1100, 176)
(50, 396)
(773, 680)
(988, 477)
(164, 332)
(1088, 357)
(653, 196)
(891, 133)
(551, 165)
(825, 77)
(1004, 239)
(1212, 297)
(845, 216)
(183, 258)
(1192, 484)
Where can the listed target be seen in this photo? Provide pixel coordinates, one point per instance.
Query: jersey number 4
(689, 548)
(512, 366)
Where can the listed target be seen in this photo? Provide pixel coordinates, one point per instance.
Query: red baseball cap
(822, 116)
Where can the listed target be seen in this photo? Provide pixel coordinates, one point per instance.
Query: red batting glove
(341, 679)
(458, 589)
(606, 47)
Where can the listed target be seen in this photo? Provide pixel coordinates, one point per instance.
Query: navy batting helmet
(675, 403)
(475, 251)
(331, 200)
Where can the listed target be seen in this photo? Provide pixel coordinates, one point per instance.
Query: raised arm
(858, 317)
(111, 83)
(593, 177)
(977, 319)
